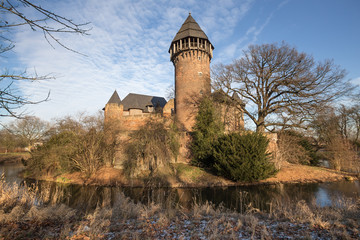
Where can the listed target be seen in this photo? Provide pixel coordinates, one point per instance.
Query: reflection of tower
(191, 53)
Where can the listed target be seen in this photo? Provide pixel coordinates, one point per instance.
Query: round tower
(191, 53)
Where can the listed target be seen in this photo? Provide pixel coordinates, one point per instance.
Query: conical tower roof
(190, 28)
(115, 98)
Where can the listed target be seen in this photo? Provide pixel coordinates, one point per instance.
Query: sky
(127, 47)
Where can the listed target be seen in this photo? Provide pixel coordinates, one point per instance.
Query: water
(238, 198)
(11, 172)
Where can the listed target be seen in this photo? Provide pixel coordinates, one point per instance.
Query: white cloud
(356, 81)
(126, 50)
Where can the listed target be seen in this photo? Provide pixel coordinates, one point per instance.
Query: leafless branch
(50, 24)
(277, 79)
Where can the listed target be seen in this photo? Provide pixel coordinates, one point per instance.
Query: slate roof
(220, 96)
(236, 97)
(115, 98)
(190, 28)
(139, 101)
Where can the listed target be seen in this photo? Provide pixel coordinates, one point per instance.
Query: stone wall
(169, 108)
(126, 127)
(273, 149)
(232, 117)
(135, 122)
(113, 111)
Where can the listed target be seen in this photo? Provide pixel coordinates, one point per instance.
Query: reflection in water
(238, 198)
(11, 172)
(322, 198)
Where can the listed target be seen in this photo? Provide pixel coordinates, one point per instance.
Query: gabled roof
(190, 28)
(139, 101)
(236, 97)
(115, 98)
(221, 97)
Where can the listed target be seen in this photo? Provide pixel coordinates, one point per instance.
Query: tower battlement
(196, 45)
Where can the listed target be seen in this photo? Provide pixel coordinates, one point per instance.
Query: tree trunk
(260, 126)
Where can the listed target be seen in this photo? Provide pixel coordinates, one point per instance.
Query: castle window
(200, 74)
(150, 108)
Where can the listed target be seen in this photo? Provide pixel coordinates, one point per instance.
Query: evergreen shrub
(242, 157)
(207, 129)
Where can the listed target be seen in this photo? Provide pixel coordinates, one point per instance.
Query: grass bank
(26, 214)
(184, 175)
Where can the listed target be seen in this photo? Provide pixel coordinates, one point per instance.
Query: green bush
(242, 157)
(73, 146)
(310, 151)
(207, 129)
(54, 156)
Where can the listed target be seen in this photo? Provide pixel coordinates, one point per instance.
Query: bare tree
(7, 140)
(170, 92)
(13, 15)
(347, 121)
(281, 86)
(355, 116)
(29, 129)
(337, 131)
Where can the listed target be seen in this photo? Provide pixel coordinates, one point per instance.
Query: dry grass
(24, 213)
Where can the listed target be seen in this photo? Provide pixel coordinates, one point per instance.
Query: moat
(238, 198)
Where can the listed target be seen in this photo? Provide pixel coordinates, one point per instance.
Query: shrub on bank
(151, 147)
(73, 146)
(242, 157)
(298, 149)
(54, 156)
(233, 156)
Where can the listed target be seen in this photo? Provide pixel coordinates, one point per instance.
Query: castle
(190, 52)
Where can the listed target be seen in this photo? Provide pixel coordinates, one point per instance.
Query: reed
(24, 213)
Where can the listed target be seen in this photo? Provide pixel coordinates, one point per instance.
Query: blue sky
(127, 48)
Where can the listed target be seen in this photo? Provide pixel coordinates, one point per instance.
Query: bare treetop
(282, 86)
(46, 21)
(14, 14)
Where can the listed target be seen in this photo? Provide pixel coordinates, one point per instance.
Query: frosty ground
(27, 214)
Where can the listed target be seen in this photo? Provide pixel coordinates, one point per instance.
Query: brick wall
(192, 81)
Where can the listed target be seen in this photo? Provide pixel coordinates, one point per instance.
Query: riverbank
(25, 214)
(13, 158)
(183, 175)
